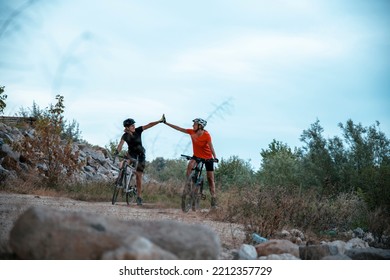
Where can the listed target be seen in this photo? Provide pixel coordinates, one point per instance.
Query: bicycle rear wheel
(131, 196)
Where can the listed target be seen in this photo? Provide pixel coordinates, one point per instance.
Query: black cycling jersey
(134, 142)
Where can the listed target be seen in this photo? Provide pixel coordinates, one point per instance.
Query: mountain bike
(126, 181)
(193, 189)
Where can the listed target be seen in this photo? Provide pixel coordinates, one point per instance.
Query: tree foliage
(357, 163)
(69, 130)
(234, 172)
(280, 165)
(3, 97)
(165, 170)
(368, 156)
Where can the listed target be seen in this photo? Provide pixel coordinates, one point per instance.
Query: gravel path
(12, 205)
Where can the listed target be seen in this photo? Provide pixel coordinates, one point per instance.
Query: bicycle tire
(131, 193)
(188, 199)
(201, 196)
(118, 186)
(115, 194)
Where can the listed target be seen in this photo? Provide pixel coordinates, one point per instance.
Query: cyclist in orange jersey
(203, 148)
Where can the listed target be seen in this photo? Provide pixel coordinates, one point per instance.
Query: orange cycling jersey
(200, 144)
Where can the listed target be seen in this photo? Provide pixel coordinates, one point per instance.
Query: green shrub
(233, 172)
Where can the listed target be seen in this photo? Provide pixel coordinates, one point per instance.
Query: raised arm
(176, 127)
(149, 125)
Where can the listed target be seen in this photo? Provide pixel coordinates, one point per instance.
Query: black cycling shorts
(209, 165)
(141, 161)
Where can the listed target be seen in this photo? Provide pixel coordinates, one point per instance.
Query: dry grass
(267, 211)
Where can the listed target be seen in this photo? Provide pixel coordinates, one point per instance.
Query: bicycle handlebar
(132, 160)
(200, 159)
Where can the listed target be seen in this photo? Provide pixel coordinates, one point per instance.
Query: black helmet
(128, 122)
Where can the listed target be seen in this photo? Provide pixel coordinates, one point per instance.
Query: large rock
(247, 252)
(368, 254)
(318, 252)
(284, 256)
(47, 233)
(276, 246)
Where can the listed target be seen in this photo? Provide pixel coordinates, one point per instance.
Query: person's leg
(187, 186)
(211, 181)
(190, 166)
(138, 177)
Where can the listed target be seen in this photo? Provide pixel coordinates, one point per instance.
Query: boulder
(276, 246)
(47, 233)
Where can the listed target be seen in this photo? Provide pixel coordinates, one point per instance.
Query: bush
(46, 152)
(268, 210)
(167, 170)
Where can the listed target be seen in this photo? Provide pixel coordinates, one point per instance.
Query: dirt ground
(12, 205)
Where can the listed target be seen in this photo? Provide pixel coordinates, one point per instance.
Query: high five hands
(163, 120)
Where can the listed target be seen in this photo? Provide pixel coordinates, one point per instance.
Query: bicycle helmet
(200, 121)
(128, 122)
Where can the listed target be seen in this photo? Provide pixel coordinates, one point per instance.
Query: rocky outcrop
(97, 164)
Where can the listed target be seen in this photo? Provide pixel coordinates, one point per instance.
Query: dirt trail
(12, 205)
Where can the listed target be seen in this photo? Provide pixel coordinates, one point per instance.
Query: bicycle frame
(193, 190)
(126, 181)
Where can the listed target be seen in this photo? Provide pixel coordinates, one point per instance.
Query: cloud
(246, 55)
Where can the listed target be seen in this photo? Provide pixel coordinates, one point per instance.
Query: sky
(256, 70)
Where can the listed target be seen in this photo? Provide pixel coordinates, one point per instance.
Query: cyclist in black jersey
(132, 137)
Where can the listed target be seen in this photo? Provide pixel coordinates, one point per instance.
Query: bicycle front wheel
(188, 198)
(115, 194)
(117, 187)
